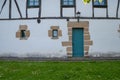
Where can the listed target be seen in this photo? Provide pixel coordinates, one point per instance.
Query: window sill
(24, 38)
(33, 6)
(55, 38)
(100, 6)
(68, 6)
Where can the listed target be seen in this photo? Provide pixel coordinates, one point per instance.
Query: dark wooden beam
(117, 8)
(3, 6)
(61, 15)
(10, 8)
(26, 9)
(92, 8)
(107, 8)
(39, 13)
(18, 8)
(75, 9)
(35, 18)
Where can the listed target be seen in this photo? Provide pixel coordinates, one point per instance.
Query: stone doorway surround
(87, 41)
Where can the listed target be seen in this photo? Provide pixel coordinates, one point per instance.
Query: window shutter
(28, 33)
(18, 34)
(50, 33)
(60, 32)
(118, 30)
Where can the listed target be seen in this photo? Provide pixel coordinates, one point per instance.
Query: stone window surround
(50, 32)
(27, 32)
(87, 41)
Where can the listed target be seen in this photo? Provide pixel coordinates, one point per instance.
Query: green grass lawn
(85, 70)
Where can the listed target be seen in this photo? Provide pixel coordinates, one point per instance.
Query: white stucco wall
(38, 44)
(103, 32)
(105, 36)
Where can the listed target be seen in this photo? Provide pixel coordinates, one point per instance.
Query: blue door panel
(78, 42)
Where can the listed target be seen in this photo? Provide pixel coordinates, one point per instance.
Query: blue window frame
(33, 3)
(68, 3)
(100, 3)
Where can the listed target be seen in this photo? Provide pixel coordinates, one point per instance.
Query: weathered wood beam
(39, 13)
(61, 15)
(117, 8)
(10, 8)
(18, 8)
(75, 9)
(26, 9)
(35, 18)
(3, 6)
(107, 9)
(92, 8)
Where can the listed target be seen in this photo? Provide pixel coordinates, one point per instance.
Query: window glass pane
(36, 3)
(65, 3)
(68, 2)
(100, 2)
(65, 0)
(23, 34)
(36, 0)
(96, 2)
(31, 0)
(55, 33)
(71, 3)
(33, 3)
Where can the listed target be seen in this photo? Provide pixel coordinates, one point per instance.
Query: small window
(23, 34)
(100, 3)
(68, 3)
(33, 3)
(55, 33)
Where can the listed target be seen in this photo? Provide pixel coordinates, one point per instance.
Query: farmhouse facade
(59, 28)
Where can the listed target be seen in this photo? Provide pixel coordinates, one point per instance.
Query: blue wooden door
(78, 42)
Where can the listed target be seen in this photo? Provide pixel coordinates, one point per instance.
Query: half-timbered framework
(68, 28)
(63, 4)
